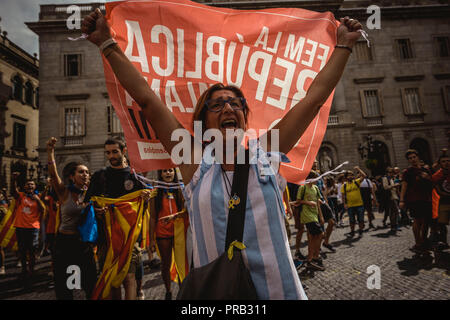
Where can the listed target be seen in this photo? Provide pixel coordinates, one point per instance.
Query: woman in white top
(207, 191)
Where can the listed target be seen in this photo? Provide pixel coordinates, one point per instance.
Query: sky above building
(14, 14)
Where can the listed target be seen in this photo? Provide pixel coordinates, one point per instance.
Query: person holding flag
(265, 247)
(120, 203)
(168, 225)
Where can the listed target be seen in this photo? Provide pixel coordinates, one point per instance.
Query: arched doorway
(378, 159)
(423, 148)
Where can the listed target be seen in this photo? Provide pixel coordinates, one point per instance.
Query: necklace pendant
(234, 201)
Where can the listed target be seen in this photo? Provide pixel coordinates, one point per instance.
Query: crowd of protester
(102, 222)
(417, 196)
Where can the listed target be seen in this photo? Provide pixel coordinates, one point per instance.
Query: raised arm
(296, 121)
(57, 183)
(362, 173)
(158, 115)
(15, 188)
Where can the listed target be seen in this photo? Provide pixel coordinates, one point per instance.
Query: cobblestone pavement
(403, 275)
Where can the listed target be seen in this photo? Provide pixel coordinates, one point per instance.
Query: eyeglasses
(217, 105)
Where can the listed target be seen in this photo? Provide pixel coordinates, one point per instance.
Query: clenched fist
(347, 33)
(96, 27)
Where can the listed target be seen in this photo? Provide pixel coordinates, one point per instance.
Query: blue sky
(14, 14)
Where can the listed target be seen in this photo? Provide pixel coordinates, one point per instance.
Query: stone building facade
(19, 113)
(74, 100)
(393, 95)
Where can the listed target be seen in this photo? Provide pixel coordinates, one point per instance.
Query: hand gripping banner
(183, 47)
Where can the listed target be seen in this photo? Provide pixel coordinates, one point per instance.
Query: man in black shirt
(114, 182)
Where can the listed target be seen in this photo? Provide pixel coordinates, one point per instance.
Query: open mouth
(229, 124)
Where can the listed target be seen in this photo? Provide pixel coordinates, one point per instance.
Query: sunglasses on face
(217, 105)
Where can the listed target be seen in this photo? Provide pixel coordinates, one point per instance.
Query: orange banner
(182, 47)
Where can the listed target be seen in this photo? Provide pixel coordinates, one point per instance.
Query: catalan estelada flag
(123, 222)
(7, 230)
(180, 266)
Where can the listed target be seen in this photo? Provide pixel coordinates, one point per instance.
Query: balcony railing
(333, 120)
(373, 122)
(73, 141)
(415, 118)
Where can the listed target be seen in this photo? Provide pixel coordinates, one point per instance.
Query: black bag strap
(236, 213)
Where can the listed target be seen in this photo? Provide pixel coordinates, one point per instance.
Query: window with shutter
(442, 46)
(411, 101)
(19, 135)
(72, 125)
(362, 52)
(371, 103)
(114, 126)
(72, 65)
(404, 49)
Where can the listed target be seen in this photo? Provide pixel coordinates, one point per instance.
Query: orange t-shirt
(27, 212)
(168, 207)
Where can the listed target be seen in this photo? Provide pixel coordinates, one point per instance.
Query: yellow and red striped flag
(180, 265)
(8, 238)
(123, 222)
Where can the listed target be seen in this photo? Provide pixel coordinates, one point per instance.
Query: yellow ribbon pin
(234, 201)
(236, 244)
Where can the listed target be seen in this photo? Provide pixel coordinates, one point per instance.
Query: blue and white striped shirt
(267, 254)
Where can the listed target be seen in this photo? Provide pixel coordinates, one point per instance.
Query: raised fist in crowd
(96, 27)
